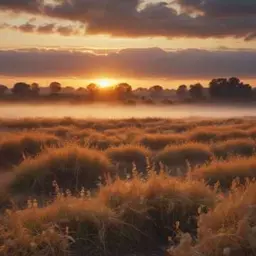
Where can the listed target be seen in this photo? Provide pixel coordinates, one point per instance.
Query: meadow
(152, 186)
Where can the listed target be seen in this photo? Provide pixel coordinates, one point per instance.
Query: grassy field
(180, 187)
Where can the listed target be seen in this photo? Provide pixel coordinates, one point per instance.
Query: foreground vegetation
(114, 187)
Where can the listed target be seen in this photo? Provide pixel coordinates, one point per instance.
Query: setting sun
(104, 83)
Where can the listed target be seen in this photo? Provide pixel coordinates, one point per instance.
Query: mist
(100, 111)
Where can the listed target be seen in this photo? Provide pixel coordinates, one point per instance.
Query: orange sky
(14, 39)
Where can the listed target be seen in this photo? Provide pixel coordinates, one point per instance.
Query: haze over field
(100, 111)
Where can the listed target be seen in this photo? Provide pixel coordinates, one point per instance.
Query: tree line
(219, 89)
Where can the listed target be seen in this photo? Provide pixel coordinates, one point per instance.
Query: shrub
(181, 155)
(72, 167)
(159, 141)
(155, 204)
(202, 135)
(102, 142)
(226, 171)
(15, 147)
(232, 223)
(232, 134)
(69, 226)
(242, 147)
(129, 154)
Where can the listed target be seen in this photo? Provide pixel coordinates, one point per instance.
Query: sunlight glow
(105, 83)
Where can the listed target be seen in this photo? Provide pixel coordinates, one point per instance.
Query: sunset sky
(141, 42)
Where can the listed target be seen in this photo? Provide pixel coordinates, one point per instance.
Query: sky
(141, 42)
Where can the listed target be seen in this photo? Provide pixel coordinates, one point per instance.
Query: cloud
(129, 63)
(31, 6)
(199, 18)
(50, 28)
(224, 8)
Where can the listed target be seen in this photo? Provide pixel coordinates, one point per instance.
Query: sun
(105, 83)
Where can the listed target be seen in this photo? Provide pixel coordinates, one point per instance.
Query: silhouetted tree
(156, 88)
(3, 89)
(123, 90)
(21, 89)
(196, 91)
(232, 88)
(182, 92)
(93, 90)
(35, 88)
(55, 87)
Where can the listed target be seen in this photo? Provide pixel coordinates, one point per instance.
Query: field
(173, 187)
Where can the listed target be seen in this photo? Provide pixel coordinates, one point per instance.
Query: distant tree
(3, 89)
(55, 87)
(156, 88)
(92, 90)
(35, 88)
(182, 92)
(232, 88)
(196, 91)
(123, 90)
(21, 89)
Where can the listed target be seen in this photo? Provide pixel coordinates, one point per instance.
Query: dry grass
(120, 215)
(14, 147)
(129, 154)
(228, 229)
(184, 155)
(72, 167)
(159, 141)
(124, 215)
(226, 171)
(80, 226)
(241, 147)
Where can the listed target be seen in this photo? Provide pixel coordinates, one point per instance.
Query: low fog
(120, 111)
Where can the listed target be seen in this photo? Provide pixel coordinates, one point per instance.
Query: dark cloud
(49, 28)
(129, 63)
(32, 6)
(220, 7)
(212, 18)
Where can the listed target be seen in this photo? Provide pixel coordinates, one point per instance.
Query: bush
(17, 146)
(129, 154)
(159, 141)
(242, 147)
(181, 155)
(71, 167)
(232, 223)
(226, 171)
(154, 205)
(101, 141)
(69, 226)
(202, 135)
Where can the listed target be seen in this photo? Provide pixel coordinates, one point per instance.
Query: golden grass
(72, 167)
(14, 147)
(225, 171)
(184, 155)
(117, 216)
(159, 141)
(241, 147)
(228, 229)
(124, 215)
(129, 154)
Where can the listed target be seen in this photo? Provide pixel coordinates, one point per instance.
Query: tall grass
(159, 141)
(242, 147)
(228, 229)
(226, 171)
(129, 154)
(14, 147)
(125, 215)
(71, 167)
(184, 155)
